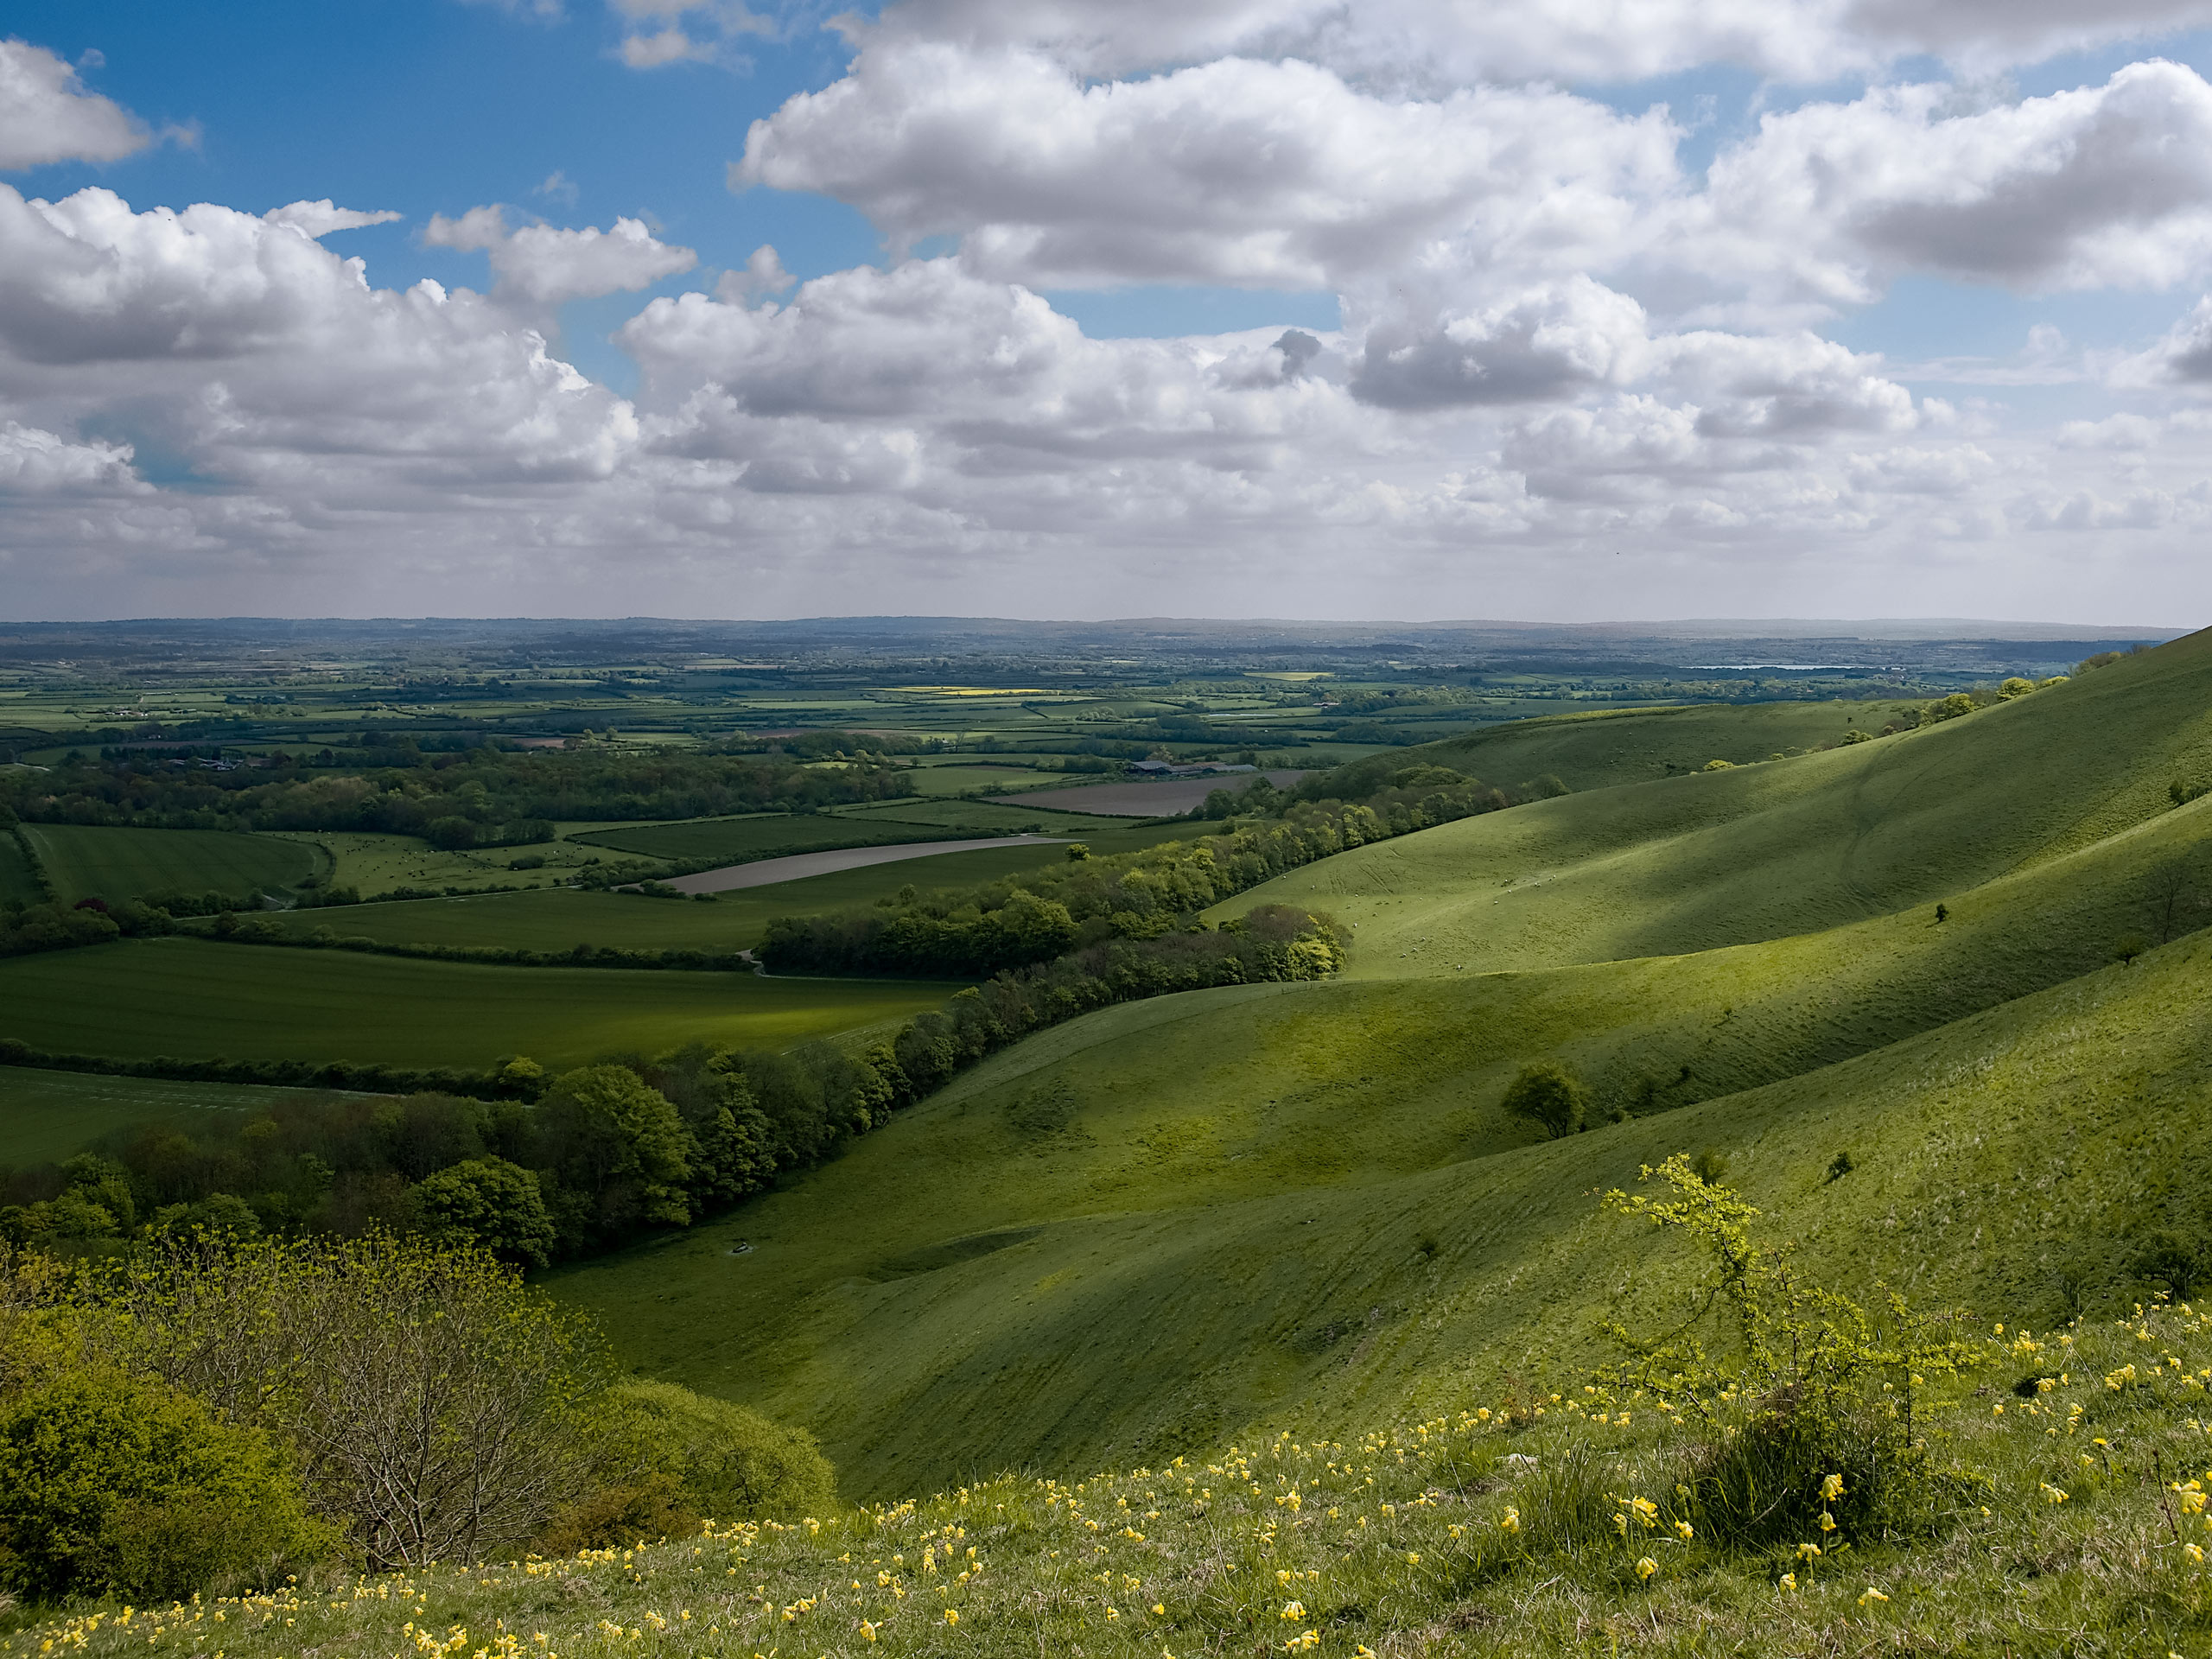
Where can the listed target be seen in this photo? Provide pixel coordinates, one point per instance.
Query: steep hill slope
(1690, 863)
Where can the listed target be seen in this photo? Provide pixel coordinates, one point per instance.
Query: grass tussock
(2073, 1521)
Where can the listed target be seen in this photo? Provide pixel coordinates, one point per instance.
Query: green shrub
(1548, 1093)
(1808, 1415)
(729, 1462)
(617, 1517)
(115, 1485)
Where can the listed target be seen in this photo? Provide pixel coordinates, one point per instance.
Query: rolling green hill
(1164, 1223)
(1786, 847)
(85, 862)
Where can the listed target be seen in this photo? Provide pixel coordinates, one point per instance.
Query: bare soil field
(1150, 798)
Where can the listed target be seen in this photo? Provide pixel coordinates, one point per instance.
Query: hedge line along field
(1162, 1223)
(195, 1000)
(561, 918)
(90, 861)
(50, 1116)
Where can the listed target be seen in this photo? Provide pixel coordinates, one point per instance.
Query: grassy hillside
(1156, 1226)
(1786, 847)
(190, 999)
(1485, 1531)
(1602, 747)
(85, 862)
(1090, 1303)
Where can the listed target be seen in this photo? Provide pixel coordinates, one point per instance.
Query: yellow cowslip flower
(1412, 1560)
(1808, 1552)
(2051, 1494)
(1828, 1522)
(1511, 1522)
(868, 1631)
(951, 1616)
(1159, 1608)
(1788, 1582)
(1872, 1595)
(1685, 1531)
(1645, 1568)
(1292, 1611)
(2195, 1553)
(1831, 1488)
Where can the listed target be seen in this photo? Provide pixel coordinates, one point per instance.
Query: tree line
(477, 796)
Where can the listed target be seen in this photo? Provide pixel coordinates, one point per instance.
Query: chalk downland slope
(1150, 1230)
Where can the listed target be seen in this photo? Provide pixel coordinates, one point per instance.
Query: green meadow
(1177, 1223)
(86, 861)
(192, 1000)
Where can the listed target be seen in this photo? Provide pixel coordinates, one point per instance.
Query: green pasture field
(739, 840)
(46, 1117)
(562, 918)
(1173, 1223)
(19, 883)
(87, 861)
(372, 863)
(196, 1000)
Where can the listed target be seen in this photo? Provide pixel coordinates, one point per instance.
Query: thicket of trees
(211, 1412)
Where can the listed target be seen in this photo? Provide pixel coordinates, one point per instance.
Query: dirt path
(766, 871)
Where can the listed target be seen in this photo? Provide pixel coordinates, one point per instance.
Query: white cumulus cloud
(539, 265)
(47, 115)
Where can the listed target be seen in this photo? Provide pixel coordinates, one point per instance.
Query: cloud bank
(1576, 373)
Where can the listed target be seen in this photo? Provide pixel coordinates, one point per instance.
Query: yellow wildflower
(1645, 1568)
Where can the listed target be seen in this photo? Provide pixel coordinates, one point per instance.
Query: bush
(120, 1486)
(727, 1462)
(1550, 1095)
(1809, 1419)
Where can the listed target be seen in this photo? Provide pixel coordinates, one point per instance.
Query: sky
(1564, 310)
